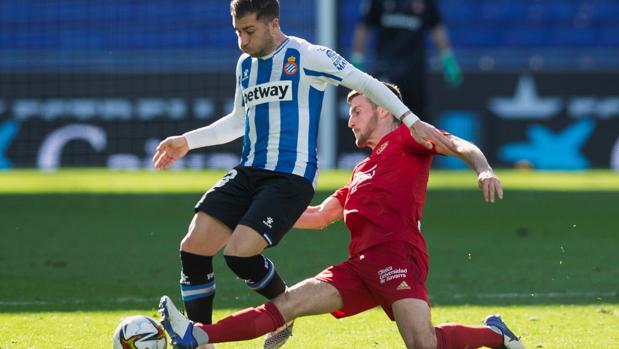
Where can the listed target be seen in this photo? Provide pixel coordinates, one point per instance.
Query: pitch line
(118, 300)
(510, 295)
(546, 295)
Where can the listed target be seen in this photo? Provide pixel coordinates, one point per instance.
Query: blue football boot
(510, 340)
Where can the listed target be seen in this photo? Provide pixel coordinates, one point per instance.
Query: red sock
(246, 324)
(456, 336)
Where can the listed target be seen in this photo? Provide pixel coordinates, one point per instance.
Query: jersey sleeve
(341, 194)
(225, 129)
(324, 66)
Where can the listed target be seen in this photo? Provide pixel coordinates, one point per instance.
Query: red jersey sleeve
(341, 195)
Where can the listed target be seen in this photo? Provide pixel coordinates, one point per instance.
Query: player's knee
(232, 249)
(186, 244)
(288, 306)
(191, 244)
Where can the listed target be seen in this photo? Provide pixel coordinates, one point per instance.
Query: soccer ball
(139, 332)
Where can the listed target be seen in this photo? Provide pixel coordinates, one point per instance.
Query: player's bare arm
(170, 150)
(318, 217)
(487, 180)
(428, 135)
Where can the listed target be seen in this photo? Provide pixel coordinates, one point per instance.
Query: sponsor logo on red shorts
(390, 273)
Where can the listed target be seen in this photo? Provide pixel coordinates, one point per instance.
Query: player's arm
(224, 130)
(318, 217)
(325, 66)
(487, 180)
(438, 32)
(424, 133)
(451, 70)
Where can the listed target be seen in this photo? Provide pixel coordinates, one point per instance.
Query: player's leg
(244, 258)
(278, 201)
(415, 325)
(308, 297)
(413, 319)
(217, 213)
(205, 237)
(277, 204)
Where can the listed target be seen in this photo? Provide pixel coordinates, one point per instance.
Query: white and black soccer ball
(139, 332)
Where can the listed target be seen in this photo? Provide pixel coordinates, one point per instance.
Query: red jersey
(384, 199)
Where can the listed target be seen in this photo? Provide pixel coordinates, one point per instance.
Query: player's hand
(490, 184)
(428, 135)
(170, 150)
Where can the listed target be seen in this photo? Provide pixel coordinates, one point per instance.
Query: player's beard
(264, 49)
(362, 137)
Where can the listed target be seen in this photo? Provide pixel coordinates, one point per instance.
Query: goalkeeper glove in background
(451, 69)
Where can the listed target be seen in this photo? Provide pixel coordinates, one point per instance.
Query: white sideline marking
(514, 295)
(119, 300)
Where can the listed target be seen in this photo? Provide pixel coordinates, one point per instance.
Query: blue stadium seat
(552, 12)
(476, 38)
(572, 37)
(609, 38)
(457, 12)
(503, 11)
(526, 36)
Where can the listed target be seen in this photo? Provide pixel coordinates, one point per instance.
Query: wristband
(409, 118)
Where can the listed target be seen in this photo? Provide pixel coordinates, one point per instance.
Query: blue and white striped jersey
(282, 96)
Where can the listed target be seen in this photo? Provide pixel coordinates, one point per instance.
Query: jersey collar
(279, 48)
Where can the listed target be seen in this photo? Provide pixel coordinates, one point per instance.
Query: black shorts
(266, 201)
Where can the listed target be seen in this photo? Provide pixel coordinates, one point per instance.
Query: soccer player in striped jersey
(280, 83)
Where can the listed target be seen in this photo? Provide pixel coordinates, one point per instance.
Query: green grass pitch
(81, 249)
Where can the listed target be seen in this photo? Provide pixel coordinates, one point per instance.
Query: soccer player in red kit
(382, 206)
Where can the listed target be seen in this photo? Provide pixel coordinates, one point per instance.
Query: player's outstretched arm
(170, 150)
(429, 136)
(318, 217)
(487, 180)
(224, 130)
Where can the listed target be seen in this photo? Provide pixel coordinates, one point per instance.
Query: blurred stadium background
(99, 83)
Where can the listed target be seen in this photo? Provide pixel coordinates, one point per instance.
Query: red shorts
(380, 275)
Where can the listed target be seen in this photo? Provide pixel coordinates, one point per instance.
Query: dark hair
(393, 87)
(264, 9)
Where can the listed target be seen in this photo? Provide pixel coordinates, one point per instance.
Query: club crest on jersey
(291, 68)
(382, 147)
(274, 91)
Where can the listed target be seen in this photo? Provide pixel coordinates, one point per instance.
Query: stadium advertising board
(566, 121)
(550, 121)
(116, 121)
